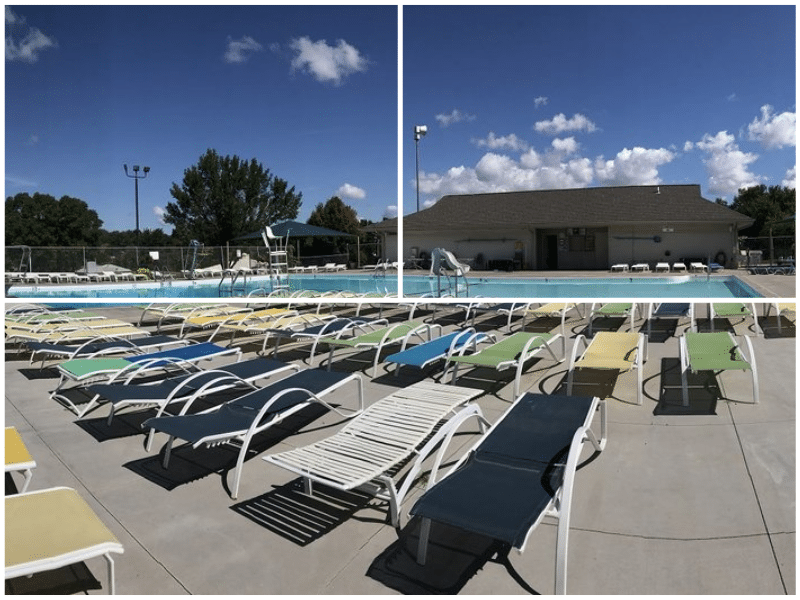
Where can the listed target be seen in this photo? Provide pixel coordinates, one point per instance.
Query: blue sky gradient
(310, 92)
(581, 96)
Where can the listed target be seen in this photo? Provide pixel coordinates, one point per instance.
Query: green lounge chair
(613, 309)
(510, 352)
(715, 352)
(730, 310)
(379, 338)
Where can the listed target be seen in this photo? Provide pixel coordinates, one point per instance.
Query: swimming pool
(684, 286)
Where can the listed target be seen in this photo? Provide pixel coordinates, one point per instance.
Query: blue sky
(310, 92)
(574, 96)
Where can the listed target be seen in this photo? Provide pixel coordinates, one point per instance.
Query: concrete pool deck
(695, 501)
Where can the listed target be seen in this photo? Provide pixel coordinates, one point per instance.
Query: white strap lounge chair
(610, 351)
(53, 528)
(640, 268)
(516, 474)
(620, 268)
(18, 459)
(366, 451)
(695, 267)
(662, 267)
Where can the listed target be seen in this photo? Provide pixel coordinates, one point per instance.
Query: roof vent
(658, 190)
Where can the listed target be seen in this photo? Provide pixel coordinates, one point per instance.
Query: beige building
(585, 228)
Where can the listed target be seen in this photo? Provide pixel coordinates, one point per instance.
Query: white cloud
(688, 146)
(19, 182)
(160, 212)
(390, 212)
(493, 142)
(327, 63)
(455, 116)
(557, 168)
(559, 124)
(540, 101)
(33, 41)
(773, 131)
(637, 166)
(790, 179)
(726, 165)
(351, 192)
(240, 50)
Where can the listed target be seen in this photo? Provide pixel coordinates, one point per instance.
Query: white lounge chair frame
(363, 453)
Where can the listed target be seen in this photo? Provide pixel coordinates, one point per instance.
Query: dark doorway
(551, 252)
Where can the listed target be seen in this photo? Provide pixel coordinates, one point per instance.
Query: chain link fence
(766, 250)
(172, 259)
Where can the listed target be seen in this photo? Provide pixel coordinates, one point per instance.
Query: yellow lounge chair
(18, 459)
(610, 350)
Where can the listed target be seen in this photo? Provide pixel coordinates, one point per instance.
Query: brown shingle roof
(569, 208)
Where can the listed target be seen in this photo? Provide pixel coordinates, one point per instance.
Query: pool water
(686, 286)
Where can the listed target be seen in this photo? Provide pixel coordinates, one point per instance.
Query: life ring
(721, 258)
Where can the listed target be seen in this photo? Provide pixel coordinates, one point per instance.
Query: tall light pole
(136, 177)
(419, 131)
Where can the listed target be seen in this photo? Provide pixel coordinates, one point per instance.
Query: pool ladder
(231, 290)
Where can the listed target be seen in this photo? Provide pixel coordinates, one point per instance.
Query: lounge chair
(101, 345)
(662, 266)
(442, 347)
(254, 328)
(516, 474)
(82, 371)
(248, 315)
(512, 352)
(505, 308)
(694, 267)
(241, 419)
(18, 459)
(318, 332)
(620, 268)
(73, 333)
(679, 266)
(670, 310)
(378, 339)
(551, 309)
(53, 528)
(188, 387)
(640, 268)
(715, 352)
(730, 310)
(609, 351)
(370, 448)
(781, 308)
(613, 309)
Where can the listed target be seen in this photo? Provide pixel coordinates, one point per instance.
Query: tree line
(219, 199)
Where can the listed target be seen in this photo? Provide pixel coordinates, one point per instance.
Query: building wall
(675, 242)
(582, 248)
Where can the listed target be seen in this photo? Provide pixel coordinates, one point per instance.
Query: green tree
(223, 197)
(336, 215)
(41, 220)
(768, 206)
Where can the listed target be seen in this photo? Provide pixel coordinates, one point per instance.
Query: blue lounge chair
(670, 310)
(239, 420)
(188, 387)
(102, 345)
(516, 474)
(424, 354)
(82, 371)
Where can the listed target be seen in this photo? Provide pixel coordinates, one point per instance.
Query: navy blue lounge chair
(102, 345)
(522, 469)
(256, 411)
